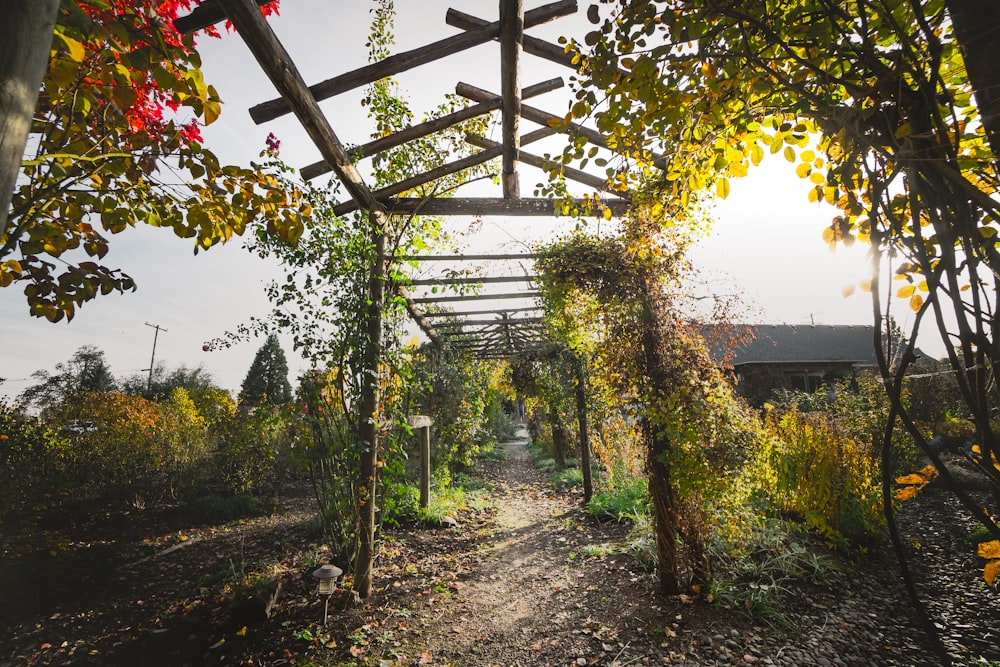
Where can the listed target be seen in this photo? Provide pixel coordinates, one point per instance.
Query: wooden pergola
(490, 329)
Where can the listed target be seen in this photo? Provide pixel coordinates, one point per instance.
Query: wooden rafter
(430, 127)
(490, 311)
(444, 170)
(402, 62)
(577, 175)
(471, 280)
(478, 297)
(532, 45)
(496, 206)
(466, 258)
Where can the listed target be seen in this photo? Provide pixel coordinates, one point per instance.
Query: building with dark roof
(800, 356)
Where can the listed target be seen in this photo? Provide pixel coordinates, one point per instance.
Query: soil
(528, 578)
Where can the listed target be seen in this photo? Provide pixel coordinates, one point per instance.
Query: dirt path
(526, 600)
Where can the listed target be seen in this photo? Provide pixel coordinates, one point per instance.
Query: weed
(444, 502)
(468, 483)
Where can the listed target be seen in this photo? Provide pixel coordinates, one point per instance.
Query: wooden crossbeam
(430, 127)
(490, 311)
(471, 280)
(452, 167)
(572, 174)
(490, 206)
(535, 115)
(478, 297)
(517, 321)
(207, 13)
(532, 45)
(278, 65)
(511, 34)
(466, 258)
(401, 62)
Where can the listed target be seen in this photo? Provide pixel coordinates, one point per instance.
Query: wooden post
(422, 425)
(25, 38)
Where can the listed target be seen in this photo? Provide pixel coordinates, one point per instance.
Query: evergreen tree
(267, 379)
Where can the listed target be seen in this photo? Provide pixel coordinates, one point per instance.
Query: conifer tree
(267, 379)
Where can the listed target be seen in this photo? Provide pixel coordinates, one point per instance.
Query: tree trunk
(661, 490)
(977, 28)
(25, 38)
(581, 418)
(368, 428)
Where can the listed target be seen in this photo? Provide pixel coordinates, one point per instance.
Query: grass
(494, 453)
(567, 478)
(622, 503)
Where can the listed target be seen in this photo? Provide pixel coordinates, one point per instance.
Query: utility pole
(149, 382)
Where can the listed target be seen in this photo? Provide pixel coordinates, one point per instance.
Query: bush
(218, 509)
(567, 478)
(34, 461)
(401, 504)
(811, 471)
(621, 503)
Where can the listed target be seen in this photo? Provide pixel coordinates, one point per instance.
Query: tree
(86, 371)
(116, 142)
(267, 380)
(885, 119)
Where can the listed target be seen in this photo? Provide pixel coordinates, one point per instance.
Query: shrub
(624, 502)
(401, 504)
(34, 460)
(812, 471)
(218, 509)
(567, 478)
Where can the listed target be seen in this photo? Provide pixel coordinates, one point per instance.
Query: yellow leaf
(803, 170)
(817, 178)
(906, 291)
(606, 213)
(722, 187)
(73, 47)
(847, 291)
(930, 472)
(990, 571)
(828, 235)
(789, 154)
(242, 632)
(916, 302)
(813, 196)
(989, 549)
(907, 493)
(866, 285)
(913, 478)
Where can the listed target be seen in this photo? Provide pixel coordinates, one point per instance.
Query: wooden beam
(486, 206)
(444, 170)
(532, 45)
(419, 316)
(430, 127)
(465, 258)
(577, 175)
(535, 115)
(278, 65)
(207, 13)
(482, 323)
(511, 34)
(478, 297)
(489, 311)
(407, 60)
(471, 280)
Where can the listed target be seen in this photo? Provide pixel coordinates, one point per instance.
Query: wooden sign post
(422, 425)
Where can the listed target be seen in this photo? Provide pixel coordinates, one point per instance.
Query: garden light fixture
(326, 577)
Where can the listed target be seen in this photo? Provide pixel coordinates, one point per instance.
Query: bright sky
(766, 242)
